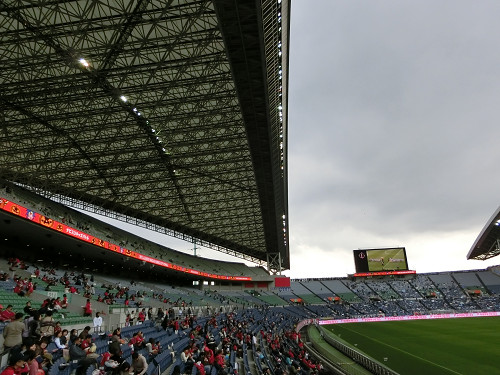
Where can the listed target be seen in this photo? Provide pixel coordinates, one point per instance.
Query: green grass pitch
(466, 346)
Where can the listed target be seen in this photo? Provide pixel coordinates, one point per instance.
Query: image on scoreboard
(381, 260)
(386, 259)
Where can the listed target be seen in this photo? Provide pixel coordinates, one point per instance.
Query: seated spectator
(187, 359)
(57, 304)
(28, 310)
(60, 340)
(117, 336)
(84, 333)
(140, 344)
(34, 366)
(108, 363)
(139, 364)
(64, 302)
(73, 334)
(7, 315)
(17, 365)
(200, 367)
(124, 368)
(44, 357)
(152, 347)
(76, 353)
(89, 347)
(220, 363)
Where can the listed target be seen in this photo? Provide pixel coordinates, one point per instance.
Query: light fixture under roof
(84, 62)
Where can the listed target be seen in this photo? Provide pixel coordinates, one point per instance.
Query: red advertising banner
(23, 212)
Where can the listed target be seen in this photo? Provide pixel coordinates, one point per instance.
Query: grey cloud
(393, 116)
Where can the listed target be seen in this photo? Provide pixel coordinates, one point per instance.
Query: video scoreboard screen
(380, 260)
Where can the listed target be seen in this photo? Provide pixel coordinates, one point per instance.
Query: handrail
(367, 362)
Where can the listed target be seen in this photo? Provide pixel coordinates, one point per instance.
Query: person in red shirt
(89, 347)
(200, 367)
(133, 339)
(107, 363)
(64, 302)
(139, 341)
(209, 355)
(19, 286)
(142, 316)
(17, 365)
(29, 287)
(87, 310)
(308, 363)
(57, 303)
(220, 363)
(7, 315)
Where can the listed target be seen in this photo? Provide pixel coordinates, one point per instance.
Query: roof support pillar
(274, 263)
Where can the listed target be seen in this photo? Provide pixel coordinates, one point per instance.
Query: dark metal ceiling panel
(164, 111)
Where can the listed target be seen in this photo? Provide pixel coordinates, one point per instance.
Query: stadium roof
(167, 114)
(487, 244)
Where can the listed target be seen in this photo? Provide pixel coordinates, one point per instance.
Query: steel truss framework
(168, 114)
(487, 244)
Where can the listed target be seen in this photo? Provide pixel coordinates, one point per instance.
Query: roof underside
(487, 244)
(175, 116)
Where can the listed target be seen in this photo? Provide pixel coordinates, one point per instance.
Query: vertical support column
(274, 263)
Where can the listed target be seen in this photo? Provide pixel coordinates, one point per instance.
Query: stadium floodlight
(123, 98)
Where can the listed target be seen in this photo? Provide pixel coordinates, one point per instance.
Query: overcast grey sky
(393, 131)
(394, 137)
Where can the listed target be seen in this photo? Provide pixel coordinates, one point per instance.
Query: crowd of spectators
(36, 342)
(263, 333)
